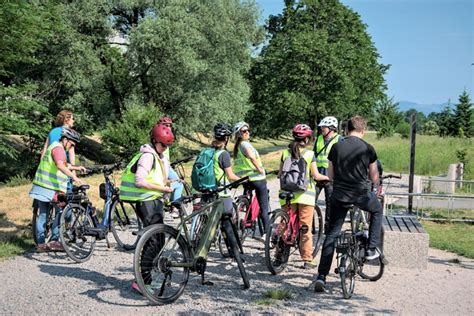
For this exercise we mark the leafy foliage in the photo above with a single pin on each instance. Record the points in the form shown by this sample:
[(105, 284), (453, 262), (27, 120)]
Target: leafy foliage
[(319, 61), (403, 129), (463, 116), (430, 128), (386, 117)]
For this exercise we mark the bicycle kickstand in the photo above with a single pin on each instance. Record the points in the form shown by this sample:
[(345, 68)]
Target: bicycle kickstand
[(107, 241), (204, 281)]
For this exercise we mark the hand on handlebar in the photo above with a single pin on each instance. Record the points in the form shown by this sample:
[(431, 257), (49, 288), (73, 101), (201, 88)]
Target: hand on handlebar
[(167, 190)]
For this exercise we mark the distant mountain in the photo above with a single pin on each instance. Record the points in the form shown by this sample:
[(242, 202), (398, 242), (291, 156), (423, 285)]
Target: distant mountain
[(425, 108)]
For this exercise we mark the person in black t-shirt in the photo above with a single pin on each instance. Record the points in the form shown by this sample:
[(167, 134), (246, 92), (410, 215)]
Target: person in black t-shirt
[(352, 166)]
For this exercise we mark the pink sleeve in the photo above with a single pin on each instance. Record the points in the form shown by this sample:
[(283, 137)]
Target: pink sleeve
[(59, 155), (145, 163)]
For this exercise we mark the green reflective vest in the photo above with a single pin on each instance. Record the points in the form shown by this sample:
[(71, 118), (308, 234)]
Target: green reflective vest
[(322, 159), (130, 192), (219, 173), (48, 175), (307, 197), (243, 166)]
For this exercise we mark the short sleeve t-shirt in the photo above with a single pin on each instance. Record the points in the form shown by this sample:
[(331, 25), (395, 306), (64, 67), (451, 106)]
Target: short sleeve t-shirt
[(351, 158), (55, 135), (224, 160)]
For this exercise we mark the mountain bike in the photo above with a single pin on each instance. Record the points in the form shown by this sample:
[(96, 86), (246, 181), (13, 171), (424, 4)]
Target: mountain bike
[(80, 228), (165, 255), (284, 234)]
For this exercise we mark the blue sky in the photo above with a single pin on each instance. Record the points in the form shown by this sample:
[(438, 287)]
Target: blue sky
[(429, 44)]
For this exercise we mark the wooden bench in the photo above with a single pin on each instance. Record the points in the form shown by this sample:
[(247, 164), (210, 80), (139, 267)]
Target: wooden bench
[(405, 242)]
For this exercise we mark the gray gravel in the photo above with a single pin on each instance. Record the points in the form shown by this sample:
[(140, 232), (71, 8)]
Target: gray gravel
[(51, 283)]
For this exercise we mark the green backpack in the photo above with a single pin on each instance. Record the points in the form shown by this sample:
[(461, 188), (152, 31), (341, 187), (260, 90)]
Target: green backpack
[(202, 176)]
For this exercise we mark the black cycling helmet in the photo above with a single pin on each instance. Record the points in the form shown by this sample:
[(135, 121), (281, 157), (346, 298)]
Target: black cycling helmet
[(70, 134), (222, 130)]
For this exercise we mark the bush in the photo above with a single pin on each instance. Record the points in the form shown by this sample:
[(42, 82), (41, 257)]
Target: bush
[(403, 129), (431, 128), (124, 138)]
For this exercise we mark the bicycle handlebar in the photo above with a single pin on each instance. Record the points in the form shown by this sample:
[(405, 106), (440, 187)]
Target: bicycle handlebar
[(272, 172), (391, 176), (180, 161), (106, 169)]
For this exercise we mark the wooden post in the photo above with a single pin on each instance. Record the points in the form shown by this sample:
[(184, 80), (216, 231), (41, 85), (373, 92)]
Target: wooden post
[(412, 161)]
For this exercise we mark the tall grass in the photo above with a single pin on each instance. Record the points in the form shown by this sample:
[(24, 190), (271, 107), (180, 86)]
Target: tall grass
[(432, 154)]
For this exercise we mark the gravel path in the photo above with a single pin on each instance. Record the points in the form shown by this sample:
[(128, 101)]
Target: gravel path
[(51, 283)]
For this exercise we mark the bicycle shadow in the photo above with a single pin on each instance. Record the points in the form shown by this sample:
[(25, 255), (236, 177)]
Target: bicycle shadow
[(454, 262), (102, 283), (49, 257)]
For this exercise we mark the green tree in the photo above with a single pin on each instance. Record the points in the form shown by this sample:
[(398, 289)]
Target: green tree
[(445, 121), (386, 117), (430, 128), (319, 60), (462, 122), (420, 118)]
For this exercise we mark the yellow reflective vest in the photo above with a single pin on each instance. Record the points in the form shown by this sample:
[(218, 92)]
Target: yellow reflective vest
[(243, 166), (322, 159), (130, 192), (48, 175)]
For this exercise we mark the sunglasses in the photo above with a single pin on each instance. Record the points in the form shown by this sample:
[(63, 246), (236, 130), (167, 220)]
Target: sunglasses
[(245, 131), (164, 145)]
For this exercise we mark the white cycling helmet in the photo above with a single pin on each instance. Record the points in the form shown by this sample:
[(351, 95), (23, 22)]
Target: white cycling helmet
[(328, 121), (239, 126)]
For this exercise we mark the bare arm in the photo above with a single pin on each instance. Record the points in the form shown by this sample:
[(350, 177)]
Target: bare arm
[(331, 171), (45, 147), (230, 174), (250, 155), (62, 166), (315, 173), (374, 173)]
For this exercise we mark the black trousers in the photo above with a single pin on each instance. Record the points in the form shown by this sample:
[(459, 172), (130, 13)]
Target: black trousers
[(150, 212), (261, 192), (368, 202)]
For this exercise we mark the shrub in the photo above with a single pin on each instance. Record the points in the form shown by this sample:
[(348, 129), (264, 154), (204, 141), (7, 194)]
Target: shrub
[(403, 129), (430, 128)]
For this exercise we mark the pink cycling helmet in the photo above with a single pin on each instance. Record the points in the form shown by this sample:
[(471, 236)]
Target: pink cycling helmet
[(165, 120), (301, 131)]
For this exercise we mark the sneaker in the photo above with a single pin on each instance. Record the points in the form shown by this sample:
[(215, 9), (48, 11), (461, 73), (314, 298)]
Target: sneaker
[(372, 254), (136, 288), (320, 283), (55, 246), (42, 248), (308, 265)]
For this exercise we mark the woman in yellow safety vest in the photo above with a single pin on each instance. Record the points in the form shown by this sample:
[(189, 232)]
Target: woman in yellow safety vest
[(247, 162), (304, 201), (51, 178)]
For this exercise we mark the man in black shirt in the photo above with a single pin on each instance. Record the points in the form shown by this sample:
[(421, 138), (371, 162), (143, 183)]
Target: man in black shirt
[(352, 162)]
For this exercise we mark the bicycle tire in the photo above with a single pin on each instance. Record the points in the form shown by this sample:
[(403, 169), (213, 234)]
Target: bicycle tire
[(77, 246), (317, 230), (242, 206), (159, 246), (125, 224), (371, 270), (347, 272), (276, 250), (228, 229)]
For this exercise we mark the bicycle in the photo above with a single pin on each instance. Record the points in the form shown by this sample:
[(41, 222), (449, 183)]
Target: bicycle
[(178, 167), (80, 228), (165, 255), (248, 213), (351, 247), (48, 225), (284, 233)]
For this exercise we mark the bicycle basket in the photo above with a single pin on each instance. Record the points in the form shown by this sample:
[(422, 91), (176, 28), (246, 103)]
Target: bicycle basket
[(344, 241), (102, 191)]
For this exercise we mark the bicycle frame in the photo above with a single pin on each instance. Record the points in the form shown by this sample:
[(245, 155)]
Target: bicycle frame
[(292, 228)]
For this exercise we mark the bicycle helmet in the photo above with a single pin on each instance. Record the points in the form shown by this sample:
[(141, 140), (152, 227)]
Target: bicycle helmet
[(70, 134), (239, 126), (162, 134), (221, 131), (165, 120), (328, 121), (301, 131)]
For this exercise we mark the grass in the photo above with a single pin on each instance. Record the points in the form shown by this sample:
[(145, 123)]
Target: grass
[(446, 214), (433, 154), (453, 237), (272, 296)]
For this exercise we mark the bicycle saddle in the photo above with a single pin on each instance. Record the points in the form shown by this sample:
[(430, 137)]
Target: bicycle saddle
[(81, 188), (286, 195)]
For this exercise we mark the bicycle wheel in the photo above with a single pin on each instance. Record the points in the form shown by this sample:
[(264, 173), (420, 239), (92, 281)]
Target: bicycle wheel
[(124, 224), (242, 206), (231, 235), (73, 224), (370, 269), (158, 252), (277, 251), (347, 272), (317, 230)]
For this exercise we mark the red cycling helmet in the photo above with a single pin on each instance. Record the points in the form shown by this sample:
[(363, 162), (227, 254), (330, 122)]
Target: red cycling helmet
[(165, 120), (162, 134), (301, 131)]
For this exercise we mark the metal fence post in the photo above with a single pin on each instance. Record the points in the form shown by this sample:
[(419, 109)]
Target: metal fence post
[(412, 161)]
